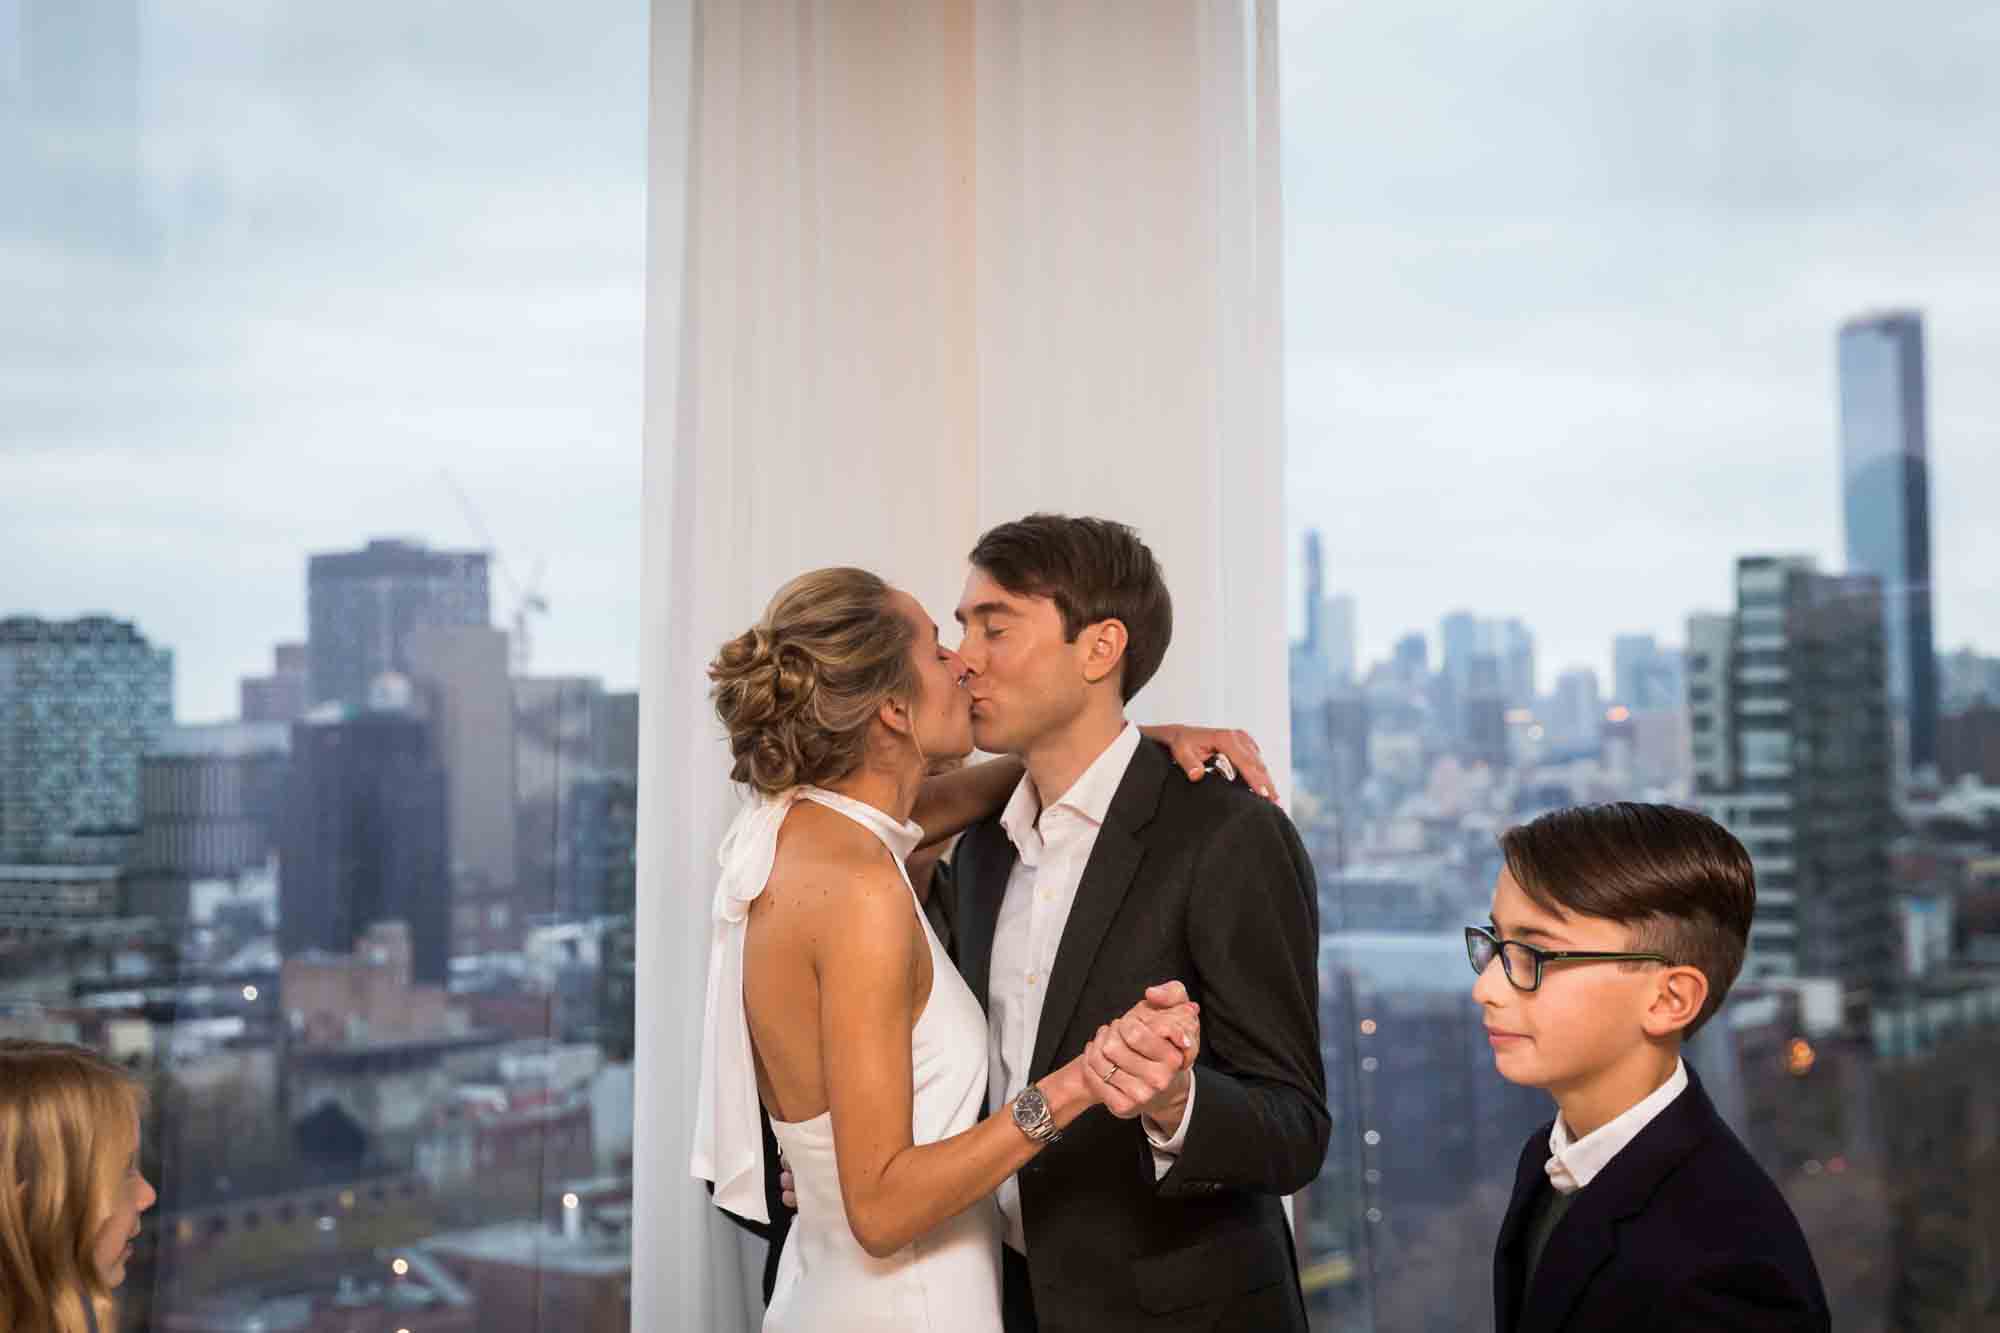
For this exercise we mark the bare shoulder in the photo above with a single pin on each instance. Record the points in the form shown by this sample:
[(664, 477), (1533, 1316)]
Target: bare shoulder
[(828, 864)]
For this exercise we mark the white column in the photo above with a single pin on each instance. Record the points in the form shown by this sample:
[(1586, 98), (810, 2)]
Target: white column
[(918, 267)]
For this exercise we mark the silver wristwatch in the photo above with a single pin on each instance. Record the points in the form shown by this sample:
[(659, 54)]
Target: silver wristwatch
[(1031, 1116)]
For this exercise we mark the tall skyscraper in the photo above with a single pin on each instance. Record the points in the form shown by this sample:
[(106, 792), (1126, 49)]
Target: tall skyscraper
[(1791, 750), (80, 702), (1325, 657), (1885, 495), (362, 605), (1315, 592), (1646, 677), (1577, 708), (1490, 659), (365, 837), (461, 675), (1338, 638)]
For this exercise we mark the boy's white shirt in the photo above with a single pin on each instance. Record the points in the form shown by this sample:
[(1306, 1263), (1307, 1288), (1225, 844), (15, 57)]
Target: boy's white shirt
[(1574, 1163)]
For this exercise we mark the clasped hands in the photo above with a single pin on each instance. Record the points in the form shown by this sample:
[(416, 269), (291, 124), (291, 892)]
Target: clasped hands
[(1137, 1065)]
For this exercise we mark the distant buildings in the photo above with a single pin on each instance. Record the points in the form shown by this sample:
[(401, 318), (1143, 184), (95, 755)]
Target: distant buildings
[(361, 607), (1885, 500), (1645, 677), (81, 701), (366, 837), (211, 808), (282, 695)]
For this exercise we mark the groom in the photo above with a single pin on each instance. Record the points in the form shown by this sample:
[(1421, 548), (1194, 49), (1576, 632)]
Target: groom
[(1100, 878)]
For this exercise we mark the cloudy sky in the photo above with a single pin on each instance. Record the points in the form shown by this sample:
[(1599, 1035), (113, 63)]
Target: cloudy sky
[(1561, 298), (1563, 282)]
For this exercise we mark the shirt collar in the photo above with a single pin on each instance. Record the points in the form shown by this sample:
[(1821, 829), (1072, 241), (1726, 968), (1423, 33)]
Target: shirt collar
[(1574, 1163), (1089, 796)]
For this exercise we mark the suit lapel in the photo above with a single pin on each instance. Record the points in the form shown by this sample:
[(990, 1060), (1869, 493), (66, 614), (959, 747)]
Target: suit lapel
[(1530, 1173), (1114, 861), (1586, 1239), (980, 890)]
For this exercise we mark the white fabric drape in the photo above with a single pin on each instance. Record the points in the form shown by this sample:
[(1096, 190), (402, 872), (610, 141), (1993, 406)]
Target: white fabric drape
[(917, 267)]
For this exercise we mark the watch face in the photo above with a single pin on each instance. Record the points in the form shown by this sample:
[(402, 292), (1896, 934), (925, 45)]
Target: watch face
[(1030, 1108)]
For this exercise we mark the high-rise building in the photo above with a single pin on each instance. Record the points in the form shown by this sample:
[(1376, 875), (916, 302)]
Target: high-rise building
[(462, 680), (1315, 592), (362, 605), (1487, 660), (1794, 758), (1325, 657), (1413, 657), (1459, 643), (1513, 647), (563, 735), (1885, 494), (366, 837), (1577, 708), (1338, 639), (597, 872), (1645, 677), (80, 702), (1711, 660), (280, 696), (211, 807)]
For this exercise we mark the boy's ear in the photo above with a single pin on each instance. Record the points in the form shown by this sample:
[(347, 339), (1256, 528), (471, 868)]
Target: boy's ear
[(1677, 1000)]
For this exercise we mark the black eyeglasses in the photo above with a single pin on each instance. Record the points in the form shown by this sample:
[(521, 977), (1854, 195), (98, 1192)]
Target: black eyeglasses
[(1518, 959)]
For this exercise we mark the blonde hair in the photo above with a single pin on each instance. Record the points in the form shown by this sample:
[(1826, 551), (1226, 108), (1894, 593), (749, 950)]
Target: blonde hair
[(798, 689), (65, 1114)]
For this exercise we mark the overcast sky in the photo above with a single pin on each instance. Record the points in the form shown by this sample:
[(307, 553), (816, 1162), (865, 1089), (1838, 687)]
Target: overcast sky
[(1562, 287)]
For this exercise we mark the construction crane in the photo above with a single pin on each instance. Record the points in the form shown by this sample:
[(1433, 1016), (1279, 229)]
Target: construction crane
[(527, 598)]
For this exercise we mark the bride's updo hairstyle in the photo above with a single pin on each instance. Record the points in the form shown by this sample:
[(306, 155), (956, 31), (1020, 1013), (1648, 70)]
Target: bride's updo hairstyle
[(798, 689)]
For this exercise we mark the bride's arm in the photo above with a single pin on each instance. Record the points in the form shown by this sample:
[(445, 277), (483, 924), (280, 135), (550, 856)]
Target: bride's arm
[(951, 803), (893, 1189)]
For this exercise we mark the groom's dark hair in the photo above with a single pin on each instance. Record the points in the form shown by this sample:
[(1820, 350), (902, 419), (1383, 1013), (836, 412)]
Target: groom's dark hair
[(1093, 570)]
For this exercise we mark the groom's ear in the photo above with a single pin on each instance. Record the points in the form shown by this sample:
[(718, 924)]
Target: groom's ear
[(1103, 647)]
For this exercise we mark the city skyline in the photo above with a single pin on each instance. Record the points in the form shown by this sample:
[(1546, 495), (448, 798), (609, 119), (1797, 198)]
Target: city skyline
[(1518, 356)]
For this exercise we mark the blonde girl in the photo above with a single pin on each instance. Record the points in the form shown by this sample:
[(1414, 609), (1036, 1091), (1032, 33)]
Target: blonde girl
[(70, 1187)]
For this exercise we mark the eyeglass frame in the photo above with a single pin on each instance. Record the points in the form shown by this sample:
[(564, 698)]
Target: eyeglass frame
[(1543, 957)]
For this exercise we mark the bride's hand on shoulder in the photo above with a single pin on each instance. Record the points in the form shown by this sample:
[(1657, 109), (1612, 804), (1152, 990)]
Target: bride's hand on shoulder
[(1193, 747)]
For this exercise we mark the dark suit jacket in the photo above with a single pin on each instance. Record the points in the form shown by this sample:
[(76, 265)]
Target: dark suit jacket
[(1206, 883), (1681, 1231)]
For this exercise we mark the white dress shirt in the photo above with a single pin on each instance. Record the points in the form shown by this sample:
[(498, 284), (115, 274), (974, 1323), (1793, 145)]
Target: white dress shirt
[(1052, 847), (1574, 1163)]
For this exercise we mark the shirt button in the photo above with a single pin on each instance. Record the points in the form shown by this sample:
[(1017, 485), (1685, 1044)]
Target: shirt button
[(1033, 977)]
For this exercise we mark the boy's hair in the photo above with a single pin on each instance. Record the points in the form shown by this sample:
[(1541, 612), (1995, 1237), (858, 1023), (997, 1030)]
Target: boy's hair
[(1681, 881), (1093, 569)]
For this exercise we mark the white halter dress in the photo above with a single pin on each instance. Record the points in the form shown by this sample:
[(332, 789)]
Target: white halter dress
[(946, 1280)]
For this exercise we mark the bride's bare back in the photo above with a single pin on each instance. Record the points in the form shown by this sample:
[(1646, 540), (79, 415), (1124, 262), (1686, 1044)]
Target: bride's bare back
[(825, 869)]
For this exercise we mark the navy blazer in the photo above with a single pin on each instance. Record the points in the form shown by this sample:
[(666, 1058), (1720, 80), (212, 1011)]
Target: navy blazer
[(1681, 1231)]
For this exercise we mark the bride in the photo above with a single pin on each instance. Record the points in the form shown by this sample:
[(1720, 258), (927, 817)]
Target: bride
[(831, 1001)]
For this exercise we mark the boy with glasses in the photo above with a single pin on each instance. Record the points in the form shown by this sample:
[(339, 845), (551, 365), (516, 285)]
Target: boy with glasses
[(1616, 932)]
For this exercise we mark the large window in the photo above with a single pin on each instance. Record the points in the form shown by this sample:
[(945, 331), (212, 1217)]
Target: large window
[(320, 333), (1572, 297)]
